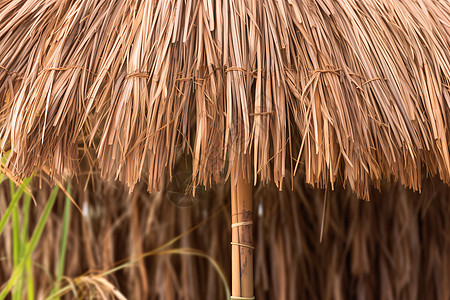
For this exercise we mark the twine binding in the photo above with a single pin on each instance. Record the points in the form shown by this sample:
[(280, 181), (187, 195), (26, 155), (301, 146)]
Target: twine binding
[(243, 245), (241, 224)]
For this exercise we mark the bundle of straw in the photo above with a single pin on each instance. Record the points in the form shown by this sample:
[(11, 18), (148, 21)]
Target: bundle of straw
[(357, 90)]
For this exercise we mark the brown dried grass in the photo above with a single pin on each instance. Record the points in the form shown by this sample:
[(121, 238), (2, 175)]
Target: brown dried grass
[(357, 90), (395, 247)]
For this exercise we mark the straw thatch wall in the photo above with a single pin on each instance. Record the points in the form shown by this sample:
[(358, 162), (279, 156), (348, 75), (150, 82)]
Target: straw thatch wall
[(395, 247)]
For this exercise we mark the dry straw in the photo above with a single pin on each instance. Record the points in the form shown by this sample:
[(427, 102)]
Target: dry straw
[(357, 90), (395, 247)]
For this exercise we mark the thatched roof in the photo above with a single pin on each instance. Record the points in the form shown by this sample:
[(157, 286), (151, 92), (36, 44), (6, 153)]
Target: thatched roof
[(357, 90)]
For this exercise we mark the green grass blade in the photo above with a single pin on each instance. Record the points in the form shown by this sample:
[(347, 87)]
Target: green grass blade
[(15, 227), (15, 198), (31, 244), (30, 282), (17, 247), (19, 292), (64, 236), (41, 224), (26, 218)]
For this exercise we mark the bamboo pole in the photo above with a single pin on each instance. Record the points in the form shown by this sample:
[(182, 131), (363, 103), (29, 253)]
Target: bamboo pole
[(241, 239)]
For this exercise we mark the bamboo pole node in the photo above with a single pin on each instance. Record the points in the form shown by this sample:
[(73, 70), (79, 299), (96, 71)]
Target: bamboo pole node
[(241, 224), (243, 245), (241, 298)]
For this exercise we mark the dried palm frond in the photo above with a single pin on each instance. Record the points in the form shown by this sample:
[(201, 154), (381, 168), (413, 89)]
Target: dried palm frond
[(351, 89)]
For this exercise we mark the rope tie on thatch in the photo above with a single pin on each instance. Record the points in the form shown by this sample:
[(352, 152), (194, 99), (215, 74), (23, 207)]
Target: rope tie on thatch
[(261, 113), (184, 79), (242, 245), (65, 68), (337, 70), (334, 71), (241, 224), (243, 70), (147, 75), (235, 68), (241, 298), (11, 73), (373, 79)]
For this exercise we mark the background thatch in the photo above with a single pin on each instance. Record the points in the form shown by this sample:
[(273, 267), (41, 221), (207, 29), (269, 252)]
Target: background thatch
[(395, 247)]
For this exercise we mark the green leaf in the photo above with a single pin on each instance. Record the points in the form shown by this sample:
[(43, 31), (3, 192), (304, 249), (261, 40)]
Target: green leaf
[(31, 245)]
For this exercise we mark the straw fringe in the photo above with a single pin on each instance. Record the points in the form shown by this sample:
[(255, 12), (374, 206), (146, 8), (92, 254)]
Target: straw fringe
[(350, 89)]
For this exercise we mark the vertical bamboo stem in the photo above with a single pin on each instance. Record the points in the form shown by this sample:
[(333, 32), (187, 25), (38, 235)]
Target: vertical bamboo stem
[(242, 238)]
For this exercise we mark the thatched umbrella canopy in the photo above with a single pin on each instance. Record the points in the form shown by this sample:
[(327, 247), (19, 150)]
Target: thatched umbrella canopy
[(355, 91)]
